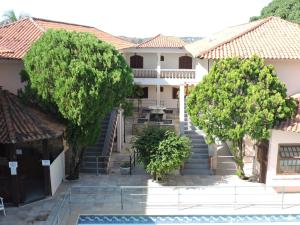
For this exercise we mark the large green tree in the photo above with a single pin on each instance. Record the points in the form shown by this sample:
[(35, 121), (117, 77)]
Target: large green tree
[(286, 9), (78, 78), (238, 98)]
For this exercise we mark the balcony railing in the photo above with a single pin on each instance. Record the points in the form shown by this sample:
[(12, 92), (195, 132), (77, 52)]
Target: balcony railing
[(144, 73), (177, 74), (165, 73)]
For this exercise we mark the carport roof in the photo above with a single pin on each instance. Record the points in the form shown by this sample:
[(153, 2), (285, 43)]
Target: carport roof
[(20, 123)]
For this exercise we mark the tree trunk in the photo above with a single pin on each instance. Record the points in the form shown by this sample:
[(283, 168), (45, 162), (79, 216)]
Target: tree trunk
[(238, 152), (76, 157), (241, 157)]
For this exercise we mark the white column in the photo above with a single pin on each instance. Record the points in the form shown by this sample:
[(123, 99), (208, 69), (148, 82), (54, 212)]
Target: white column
[(181, 109), (158, 80), (120, 137)]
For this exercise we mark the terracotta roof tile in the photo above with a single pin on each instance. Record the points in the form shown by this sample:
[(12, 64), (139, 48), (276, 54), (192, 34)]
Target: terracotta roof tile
[(270, 38), (20, 123), (161, 41), (116, 41), (17, 37), (292, 125)]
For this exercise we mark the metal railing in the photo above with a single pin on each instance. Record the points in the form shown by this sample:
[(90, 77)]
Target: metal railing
[(105, 163), (185, 196), (62, 211)]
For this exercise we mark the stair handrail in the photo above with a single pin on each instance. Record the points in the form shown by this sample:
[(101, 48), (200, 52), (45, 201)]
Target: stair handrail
[(109, 136)]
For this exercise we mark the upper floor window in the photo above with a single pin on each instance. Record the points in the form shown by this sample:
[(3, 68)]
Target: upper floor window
[(136, 61), (185, 62)]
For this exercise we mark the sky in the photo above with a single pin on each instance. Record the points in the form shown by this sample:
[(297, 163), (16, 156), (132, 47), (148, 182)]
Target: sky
[(143, 18)]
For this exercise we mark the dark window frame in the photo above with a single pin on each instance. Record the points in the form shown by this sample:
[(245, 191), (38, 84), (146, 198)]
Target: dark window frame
[(185, 62), (136, 62), (288, 160)]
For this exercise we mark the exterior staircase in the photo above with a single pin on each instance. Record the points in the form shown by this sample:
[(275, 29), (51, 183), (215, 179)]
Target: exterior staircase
[(198, 162), (89, 162)]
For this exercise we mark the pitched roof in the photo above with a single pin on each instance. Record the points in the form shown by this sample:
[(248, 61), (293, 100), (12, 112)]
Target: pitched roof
[(292, 125), (161, 41), (20, 123), (17, 37), (270, 38)]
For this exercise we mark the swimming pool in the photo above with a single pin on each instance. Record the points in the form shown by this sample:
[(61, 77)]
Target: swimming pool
[(192, 219)]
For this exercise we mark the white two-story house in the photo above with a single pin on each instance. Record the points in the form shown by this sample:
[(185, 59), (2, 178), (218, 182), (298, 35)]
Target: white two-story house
[(164, 69)]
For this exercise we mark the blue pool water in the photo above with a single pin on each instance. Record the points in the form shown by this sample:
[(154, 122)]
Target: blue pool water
[(196, 219)]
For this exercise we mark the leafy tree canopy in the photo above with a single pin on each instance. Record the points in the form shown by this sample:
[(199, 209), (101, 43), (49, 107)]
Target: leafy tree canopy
[(79, 78), (161, 150), (239, 97), (286, 9)]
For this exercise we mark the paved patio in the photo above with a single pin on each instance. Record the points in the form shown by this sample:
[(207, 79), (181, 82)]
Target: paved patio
[(101, 195)]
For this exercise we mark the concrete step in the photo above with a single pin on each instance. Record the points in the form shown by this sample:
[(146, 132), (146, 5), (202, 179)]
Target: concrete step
[(197, 160), (93, 148), (196, 155), (199, 151), (93, 164), (202, 145), (92, 170), (196, 172), (226, 165), (92, 154), (196, 166), (195, 137), (197, 141), (225, 172)]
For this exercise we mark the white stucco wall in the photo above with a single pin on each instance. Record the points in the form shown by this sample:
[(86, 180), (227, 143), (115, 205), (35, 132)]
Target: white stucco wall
[(171, 60), (10, 75), (280, 137), (202, 68), (289, 72), (57, 171)]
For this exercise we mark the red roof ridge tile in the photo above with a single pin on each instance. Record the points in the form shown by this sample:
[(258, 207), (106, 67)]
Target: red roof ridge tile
[(263, 21), (61, 22), (162, 41), (150, 39), (32, 19)]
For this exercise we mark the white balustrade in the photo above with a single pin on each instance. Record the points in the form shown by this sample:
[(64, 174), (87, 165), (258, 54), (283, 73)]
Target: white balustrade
[(165, 73)]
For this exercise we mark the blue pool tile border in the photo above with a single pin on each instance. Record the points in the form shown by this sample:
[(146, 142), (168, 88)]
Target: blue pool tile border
[(191, 219)]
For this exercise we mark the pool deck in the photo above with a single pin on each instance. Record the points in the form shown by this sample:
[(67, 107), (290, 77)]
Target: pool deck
[(101, 195)]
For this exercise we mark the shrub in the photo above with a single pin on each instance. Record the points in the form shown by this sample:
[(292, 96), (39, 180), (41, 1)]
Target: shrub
[(161, 150)]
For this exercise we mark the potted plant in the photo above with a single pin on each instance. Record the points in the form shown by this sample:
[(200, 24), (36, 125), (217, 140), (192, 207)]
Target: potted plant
[(125, 168)]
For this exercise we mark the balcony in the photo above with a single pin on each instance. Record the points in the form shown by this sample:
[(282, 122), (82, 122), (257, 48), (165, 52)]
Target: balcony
[(165, 73)]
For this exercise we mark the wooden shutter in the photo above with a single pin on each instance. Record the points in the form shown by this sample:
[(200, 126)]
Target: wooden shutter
[(185, 62), (136, 61)]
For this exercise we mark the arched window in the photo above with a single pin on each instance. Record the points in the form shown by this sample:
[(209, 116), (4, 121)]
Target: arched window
[(185, 62), (136, 61)]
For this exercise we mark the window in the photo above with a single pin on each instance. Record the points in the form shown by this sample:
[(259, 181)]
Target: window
[(145, 94), (288, 159), (175, 92), (136, 61), (161, 89), (185, 62), (162, 58)]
